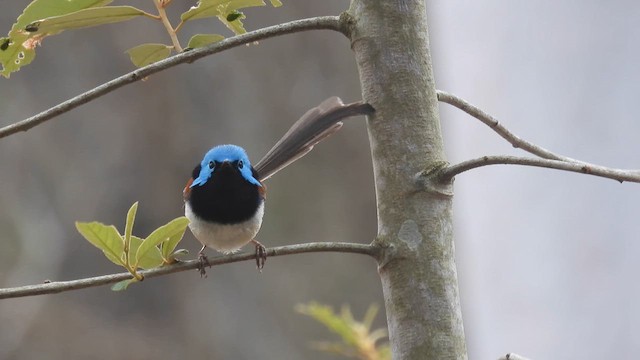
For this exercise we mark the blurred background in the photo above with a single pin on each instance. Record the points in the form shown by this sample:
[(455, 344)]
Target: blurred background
[(547, 260)]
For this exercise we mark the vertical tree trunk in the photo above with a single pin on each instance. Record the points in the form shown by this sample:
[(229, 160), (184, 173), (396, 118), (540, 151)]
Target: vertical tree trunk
[(418, 272)]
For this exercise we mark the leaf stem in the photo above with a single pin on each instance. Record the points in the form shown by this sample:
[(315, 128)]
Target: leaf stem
[(135, 273), (155, 17), (179, 26), (167, 24)]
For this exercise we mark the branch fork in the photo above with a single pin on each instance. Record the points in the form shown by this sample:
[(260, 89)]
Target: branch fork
[(544, 158)]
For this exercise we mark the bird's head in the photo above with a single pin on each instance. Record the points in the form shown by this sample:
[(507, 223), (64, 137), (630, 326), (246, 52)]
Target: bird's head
[(224, 157)]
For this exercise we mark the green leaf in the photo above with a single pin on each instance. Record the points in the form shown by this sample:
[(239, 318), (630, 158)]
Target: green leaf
[(19, 46), (179, 252), (209, 8), (15, 55), (369, 316), (164, 232), (40, 9), (105, 238), (241, 4), (83, 18), (234, 15), (123, 285), (276, 3), (145, 54), (222, 9), (236, 25), (128, 226), (325, 315), (151, 259), (173, 257), (168, 246), (357, 339), (200, 40)]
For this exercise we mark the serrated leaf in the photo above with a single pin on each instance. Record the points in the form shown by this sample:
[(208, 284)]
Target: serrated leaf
[(128, 226), (20, 45), (207, 9), (105, 238), (276, 3), (200, 40), (164, 232), (236, 25), (16, 55), (241, 4), (122, 285), (83, 18), (41, 9), (151, 259), (221, 9), (145, 54)]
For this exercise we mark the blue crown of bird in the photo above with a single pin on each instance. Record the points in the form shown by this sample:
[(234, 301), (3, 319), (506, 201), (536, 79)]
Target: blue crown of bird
[(224, 198)]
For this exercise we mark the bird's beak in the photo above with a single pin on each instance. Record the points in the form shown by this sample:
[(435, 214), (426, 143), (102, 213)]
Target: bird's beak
[(225, 164)]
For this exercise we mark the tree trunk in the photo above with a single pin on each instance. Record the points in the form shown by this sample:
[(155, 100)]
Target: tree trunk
[(418, 272)]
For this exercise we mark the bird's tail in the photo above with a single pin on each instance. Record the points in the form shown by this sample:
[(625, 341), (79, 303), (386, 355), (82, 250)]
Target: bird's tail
[(314, 126)]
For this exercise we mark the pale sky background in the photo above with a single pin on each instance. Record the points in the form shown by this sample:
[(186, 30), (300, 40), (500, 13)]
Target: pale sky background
[(547, 261)]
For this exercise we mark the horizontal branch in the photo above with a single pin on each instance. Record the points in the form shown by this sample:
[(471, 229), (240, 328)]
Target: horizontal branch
[(316, 23), (55, 287), (595, 170), (494, 124)]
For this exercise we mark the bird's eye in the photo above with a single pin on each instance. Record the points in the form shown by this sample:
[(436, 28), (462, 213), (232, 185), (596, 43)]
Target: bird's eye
[(240, 164), (212, 165)]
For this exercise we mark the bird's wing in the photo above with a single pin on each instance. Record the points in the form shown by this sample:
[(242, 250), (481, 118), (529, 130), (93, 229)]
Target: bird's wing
[(314, 126)]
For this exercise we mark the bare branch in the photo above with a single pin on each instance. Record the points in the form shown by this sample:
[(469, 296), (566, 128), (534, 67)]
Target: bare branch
[(595, 170), (317, 23), (494, 124), (61, 286), (549, 159)]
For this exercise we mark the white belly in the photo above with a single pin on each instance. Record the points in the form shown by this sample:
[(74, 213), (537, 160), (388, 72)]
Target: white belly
[(224, 238)]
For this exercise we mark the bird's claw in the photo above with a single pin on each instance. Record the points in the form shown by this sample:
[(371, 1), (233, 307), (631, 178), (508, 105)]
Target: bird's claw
[(203, 261), (261, 255)]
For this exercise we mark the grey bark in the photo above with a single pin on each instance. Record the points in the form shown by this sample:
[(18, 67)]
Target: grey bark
[(418, 271)]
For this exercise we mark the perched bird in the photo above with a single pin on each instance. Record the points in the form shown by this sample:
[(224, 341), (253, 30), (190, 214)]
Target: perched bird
[(224, 199)]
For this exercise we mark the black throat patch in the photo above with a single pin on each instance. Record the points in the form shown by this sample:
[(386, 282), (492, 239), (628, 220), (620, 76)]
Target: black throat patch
[(226, 198)]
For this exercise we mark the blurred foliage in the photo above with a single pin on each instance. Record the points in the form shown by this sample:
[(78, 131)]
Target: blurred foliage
[(132, 252), (358, 341), (43, 18)]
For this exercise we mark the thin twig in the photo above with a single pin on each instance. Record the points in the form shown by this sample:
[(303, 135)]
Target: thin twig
[(495, 125), (595, 170), (61, 286), (317, 23), (549, 159)]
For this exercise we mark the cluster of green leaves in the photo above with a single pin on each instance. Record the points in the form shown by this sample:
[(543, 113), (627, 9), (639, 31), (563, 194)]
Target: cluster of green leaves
[(43, 18), (132, 252), (358, 341)]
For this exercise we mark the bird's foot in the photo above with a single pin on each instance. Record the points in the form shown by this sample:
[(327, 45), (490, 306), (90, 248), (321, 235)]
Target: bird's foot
[(261, 254), (203, 261)]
